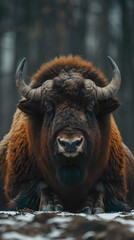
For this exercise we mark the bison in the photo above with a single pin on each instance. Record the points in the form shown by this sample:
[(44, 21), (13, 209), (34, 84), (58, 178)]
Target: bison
[(64, 151)]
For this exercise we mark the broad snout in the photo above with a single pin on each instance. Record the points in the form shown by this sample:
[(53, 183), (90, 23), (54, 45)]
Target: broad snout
[(70, 146)]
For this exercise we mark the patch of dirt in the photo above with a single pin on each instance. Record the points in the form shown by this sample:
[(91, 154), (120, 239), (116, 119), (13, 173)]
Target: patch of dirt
[(31, 225)]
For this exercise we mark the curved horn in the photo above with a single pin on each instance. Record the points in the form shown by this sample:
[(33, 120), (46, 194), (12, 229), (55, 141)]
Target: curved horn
[(25, 90), (112, 88)]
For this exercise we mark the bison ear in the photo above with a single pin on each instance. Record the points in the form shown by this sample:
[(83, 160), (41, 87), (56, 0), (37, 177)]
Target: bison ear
[(29, 107), (108, 106)]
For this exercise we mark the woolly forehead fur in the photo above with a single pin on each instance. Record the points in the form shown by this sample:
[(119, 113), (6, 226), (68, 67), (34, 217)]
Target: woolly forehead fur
[(68, 64)]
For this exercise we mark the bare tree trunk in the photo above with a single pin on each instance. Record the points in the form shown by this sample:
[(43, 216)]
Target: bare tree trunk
[(127, 69)]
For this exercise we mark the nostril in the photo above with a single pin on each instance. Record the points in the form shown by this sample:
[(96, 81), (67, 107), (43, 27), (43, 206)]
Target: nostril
[(62, 143), (78, 142)]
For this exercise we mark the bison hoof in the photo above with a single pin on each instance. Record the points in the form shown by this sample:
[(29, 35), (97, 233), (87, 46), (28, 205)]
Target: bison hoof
[(57, 204), (46, 207), (51, 205), (86, 210), (98, 210), (58, 208)]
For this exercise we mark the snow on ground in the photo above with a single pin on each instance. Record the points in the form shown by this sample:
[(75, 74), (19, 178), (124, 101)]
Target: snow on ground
[(55, 225)]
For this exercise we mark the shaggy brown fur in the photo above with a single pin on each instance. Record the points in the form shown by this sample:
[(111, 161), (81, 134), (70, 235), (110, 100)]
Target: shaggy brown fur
[(28, 151)]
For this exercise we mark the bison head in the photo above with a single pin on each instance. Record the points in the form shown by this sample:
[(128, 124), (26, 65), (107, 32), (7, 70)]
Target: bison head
[(69, 123)]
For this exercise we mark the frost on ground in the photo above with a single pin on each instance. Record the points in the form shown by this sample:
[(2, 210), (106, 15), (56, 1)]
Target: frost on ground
[(29, 225)]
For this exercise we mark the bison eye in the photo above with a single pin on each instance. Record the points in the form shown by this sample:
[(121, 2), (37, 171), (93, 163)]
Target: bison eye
[(49, 107), (90, 107)]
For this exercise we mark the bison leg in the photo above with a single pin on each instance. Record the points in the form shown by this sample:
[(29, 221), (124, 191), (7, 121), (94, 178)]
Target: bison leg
[(98, 206), (28, 198), (48, 200), (103, 199), (87, 206), (114, 202), (94, 203)]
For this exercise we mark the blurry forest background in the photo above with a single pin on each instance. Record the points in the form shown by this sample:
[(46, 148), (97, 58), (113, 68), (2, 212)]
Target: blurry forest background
[(42, 29)]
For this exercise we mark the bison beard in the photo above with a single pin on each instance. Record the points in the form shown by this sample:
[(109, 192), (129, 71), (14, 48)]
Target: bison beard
[(64, 151)]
